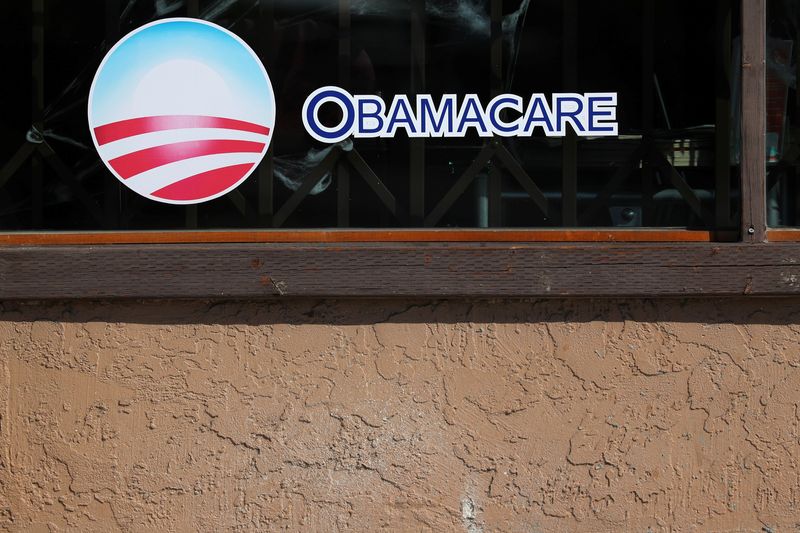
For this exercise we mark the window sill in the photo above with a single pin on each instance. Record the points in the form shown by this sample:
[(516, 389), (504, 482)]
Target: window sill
[(400, 269), (373, 236)]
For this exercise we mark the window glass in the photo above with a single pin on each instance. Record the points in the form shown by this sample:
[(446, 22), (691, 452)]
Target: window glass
[(783, 114), (671, 63)]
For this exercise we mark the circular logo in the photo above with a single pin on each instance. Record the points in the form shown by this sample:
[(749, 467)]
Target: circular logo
[(181, 111)]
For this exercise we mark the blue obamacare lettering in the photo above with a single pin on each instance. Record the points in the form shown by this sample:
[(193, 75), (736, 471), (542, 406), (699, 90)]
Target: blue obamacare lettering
[(506, 115)]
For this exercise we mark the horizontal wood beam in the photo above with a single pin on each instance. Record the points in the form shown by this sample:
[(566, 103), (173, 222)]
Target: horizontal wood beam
[(373, 236), (401, 269)]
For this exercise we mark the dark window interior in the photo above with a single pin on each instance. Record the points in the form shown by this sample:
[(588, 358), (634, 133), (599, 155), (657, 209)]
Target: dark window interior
[(783, 114), (673, 63)]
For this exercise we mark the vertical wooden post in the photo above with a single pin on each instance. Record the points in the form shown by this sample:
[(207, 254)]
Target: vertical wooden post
[(495, 195), (496, 47), (569, 145), (345, 65), (342, 194), (495, 181), (265, 42), (754, 51), (648, 98), (37, 111), (112, 188), (418, 81)]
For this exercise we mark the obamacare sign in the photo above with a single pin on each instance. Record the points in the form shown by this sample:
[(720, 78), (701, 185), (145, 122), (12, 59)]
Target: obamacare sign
[(182, 111), (590, 114)]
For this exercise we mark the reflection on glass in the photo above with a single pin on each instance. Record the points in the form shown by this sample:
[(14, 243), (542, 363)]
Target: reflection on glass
[(783, 131), (674, 164)]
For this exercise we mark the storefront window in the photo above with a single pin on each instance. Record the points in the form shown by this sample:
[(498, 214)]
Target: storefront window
[(783, 114), (672, 64)]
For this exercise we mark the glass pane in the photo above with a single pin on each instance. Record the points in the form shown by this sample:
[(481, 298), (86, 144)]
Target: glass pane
[(674, 162), (783, 114)]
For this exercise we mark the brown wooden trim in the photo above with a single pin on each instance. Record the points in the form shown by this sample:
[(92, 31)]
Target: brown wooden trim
[(783, 235), (323, 236), (754, 194), (399, 269)]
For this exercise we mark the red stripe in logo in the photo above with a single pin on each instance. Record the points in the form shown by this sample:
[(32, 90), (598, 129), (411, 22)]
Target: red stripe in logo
[(138, 126), (137, 162), (203, 184)]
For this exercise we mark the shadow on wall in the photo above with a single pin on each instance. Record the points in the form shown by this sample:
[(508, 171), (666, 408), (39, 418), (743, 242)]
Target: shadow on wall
[(774, 311)]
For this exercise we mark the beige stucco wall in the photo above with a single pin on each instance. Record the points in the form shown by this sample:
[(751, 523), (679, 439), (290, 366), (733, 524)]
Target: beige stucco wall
[(543, 416)]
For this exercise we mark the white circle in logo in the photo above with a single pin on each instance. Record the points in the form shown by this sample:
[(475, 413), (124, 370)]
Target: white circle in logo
[(181, 111)]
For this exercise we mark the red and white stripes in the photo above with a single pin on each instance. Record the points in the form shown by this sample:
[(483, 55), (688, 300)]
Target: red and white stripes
[(181, 158)]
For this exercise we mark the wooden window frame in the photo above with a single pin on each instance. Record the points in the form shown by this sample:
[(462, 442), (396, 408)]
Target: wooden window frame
[(432, 263)]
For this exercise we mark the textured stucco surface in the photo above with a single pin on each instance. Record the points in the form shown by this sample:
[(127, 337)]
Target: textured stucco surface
[(543, 416)]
